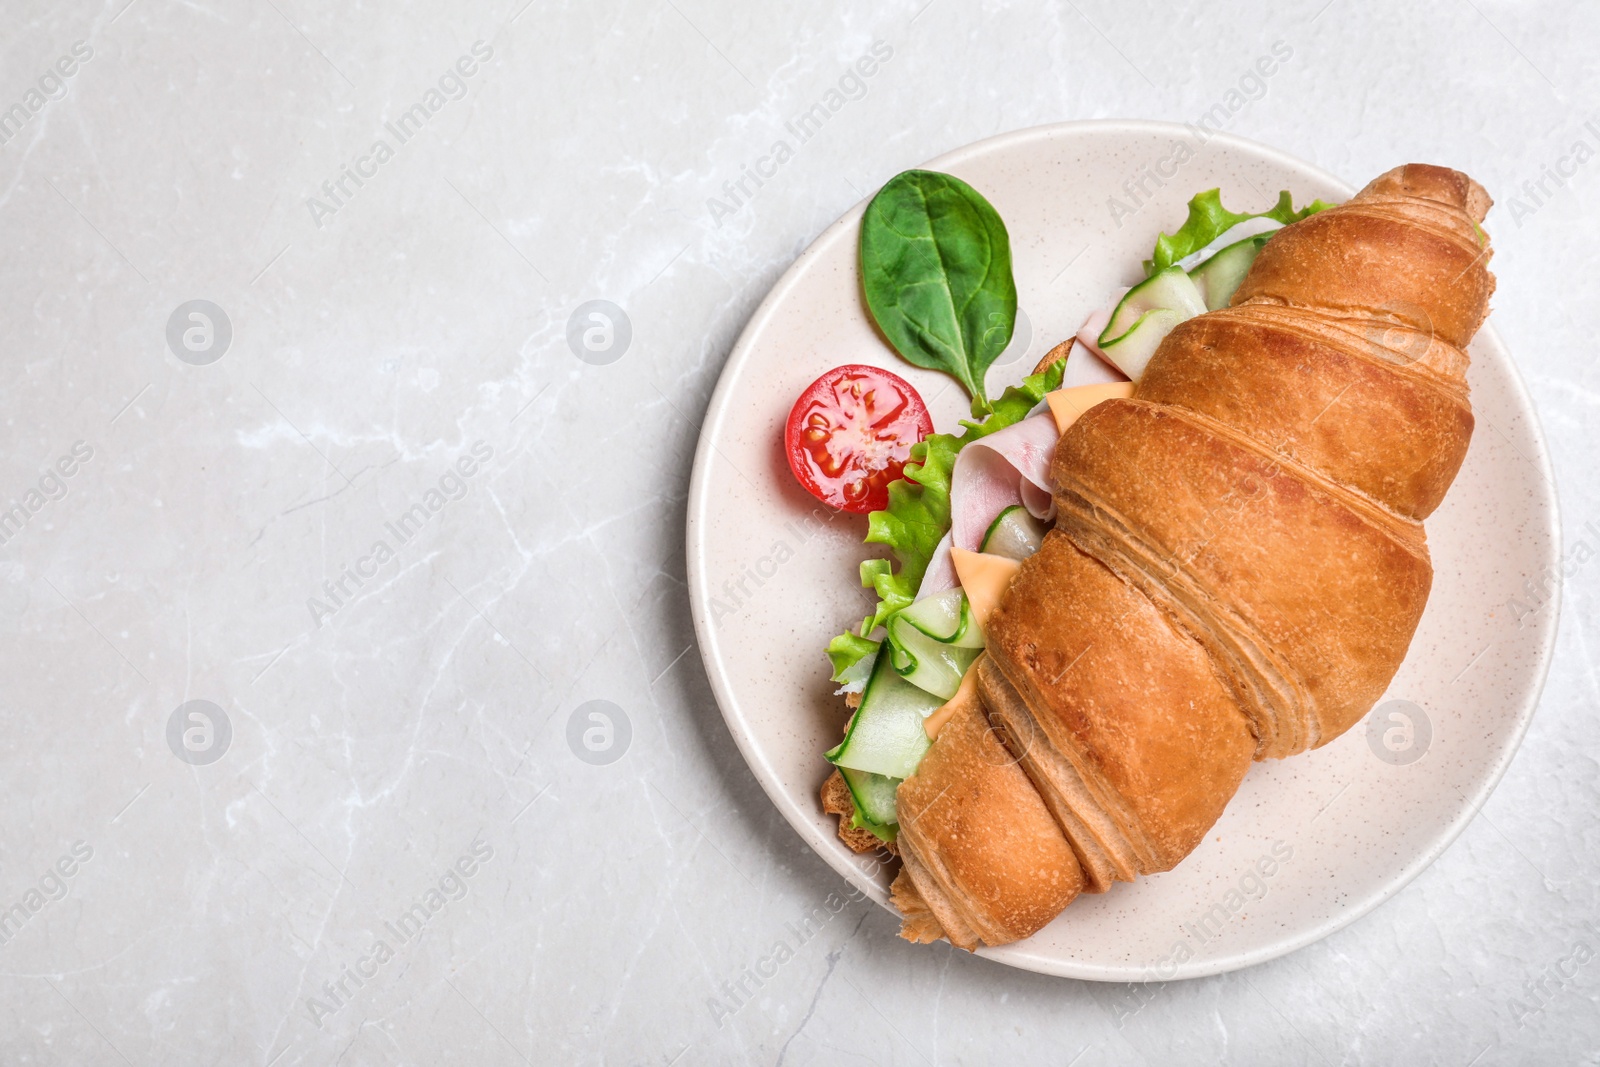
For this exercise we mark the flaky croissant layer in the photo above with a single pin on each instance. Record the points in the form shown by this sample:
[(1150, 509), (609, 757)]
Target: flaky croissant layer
[(1236, 572)]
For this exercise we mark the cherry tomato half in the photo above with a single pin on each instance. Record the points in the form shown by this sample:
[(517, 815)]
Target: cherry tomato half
[(850, 432)]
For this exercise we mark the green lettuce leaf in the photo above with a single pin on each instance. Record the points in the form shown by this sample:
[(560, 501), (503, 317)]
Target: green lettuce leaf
[(919, 512), (848, 649), (1208, 220)]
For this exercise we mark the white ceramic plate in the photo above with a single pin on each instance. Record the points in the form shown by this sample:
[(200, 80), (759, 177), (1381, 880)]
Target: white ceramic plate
[(772, 575)]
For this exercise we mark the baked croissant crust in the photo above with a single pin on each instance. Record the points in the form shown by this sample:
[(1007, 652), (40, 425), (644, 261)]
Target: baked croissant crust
[(1236, 572)]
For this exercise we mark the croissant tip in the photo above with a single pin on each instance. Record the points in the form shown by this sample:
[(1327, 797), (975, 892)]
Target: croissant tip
[(1430, 181)]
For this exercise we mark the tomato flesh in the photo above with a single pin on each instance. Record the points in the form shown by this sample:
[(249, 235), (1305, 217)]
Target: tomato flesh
[(850, 433)]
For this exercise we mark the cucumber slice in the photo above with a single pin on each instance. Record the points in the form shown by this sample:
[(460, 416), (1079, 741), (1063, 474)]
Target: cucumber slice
[(1132, 351), (1218, 278), (1168, 290), (927, 663), (946, 618), (874, 795), (1014, 534), (887, 736)]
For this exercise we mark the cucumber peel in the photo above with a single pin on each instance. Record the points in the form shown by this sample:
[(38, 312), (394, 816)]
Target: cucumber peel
[(934, 641), (1170, 290), (1145, 315), (1218, 277), (1014, 534), (927, 663), (1132, 351), (874, 797), (946, 617), (887, 736)]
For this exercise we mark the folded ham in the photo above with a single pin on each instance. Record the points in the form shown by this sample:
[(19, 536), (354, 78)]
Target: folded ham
[(1004, 469)]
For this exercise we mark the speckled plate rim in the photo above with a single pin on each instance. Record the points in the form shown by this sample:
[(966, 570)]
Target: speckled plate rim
[(798, 808)]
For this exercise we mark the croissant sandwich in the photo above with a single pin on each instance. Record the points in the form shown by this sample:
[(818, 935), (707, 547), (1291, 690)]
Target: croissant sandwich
[(1221, 560)]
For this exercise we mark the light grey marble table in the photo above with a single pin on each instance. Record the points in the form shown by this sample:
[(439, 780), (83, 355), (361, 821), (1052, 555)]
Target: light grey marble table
[(366, 505)]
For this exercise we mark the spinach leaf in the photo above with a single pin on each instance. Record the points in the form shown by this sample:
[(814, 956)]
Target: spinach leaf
[(936, 270)]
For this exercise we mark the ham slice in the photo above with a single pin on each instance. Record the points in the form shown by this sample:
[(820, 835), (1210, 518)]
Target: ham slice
[(991, 474), (941, 573), (1089, 333), (1086, 365)]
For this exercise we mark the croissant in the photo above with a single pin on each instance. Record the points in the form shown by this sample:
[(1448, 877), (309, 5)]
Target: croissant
[(1236, 571)]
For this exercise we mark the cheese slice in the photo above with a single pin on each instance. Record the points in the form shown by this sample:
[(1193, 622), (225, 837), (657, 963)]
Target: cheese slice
[(1068, 404), (984, 578)]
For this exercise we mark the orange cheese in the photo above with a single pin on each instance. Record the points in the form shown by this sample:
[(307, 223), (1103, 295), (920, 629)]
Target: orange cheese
[(984, 577), (1067, 404)]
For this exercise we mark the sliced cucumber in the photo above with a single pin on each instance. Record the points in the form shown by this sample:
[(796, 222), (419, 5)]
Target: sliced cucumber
[(1167, 290), (931, 665), (1014, 534), (1144, 317), (1218, 278), (934, 641), (1132, 351), (875, 804), (945, 617), (887, 736)]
